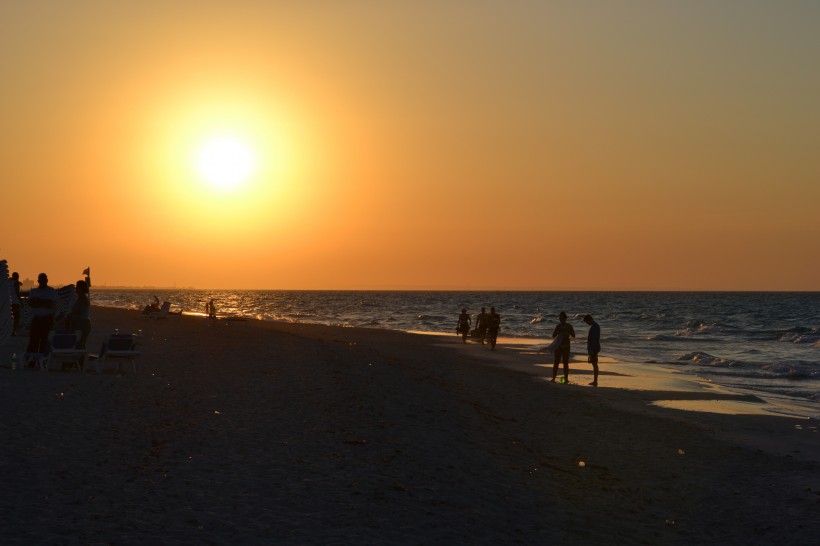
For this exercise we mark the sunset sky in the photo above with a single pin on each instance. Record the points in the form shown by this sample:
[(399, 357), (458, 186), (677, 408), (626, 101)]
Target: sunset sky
[(549, 145)]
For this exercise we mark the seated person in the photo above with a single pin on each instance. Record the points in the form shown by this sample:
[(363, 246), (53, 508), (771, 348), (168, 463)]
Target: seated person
[(152, 307)]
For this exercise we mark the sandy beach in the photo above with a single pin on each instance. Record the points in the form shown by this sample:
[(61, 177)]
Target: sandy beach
[(250, 432)]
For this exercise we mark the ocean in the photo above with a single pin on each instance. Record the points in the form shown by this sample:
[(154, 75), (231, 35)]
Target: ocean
[(764, 343)]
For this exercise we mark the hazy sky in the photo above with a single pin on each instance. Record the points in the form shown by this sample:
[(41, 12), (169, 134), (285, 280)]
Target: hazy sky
[(413, 145)]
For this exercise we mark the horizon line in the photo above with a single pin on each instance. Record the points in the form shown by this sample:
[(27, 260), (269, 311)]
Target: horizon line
[(624, 290)]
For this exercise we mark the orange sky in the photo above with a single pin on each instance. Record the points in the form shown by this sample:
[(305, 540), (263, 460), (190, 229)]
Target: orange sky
[(414, 145)]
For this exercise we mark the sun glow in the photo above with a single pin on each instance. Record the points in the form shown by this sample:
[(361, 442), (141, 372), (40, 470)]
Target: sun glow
[(226, 162), (225, 167)]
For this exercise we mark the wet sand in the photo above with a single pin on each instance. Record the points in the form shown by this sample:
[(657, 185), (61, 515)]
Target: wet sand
[(247, 432)]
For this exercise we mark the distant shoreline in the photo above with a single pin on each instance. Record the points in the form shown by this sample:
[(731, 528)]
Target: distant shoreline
[(465, 291)]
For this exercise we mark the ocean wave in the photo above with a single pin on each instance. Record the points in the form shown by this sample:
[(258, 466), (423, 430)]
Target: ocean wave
[(705, 359), (652, 316), (671, 337), (795, 371), (801, 334), (699, 327), (788, 370), (536, 320), (745, 374), (811, 395), (768, 387), (714, 365), (433, 318), (801, 330)]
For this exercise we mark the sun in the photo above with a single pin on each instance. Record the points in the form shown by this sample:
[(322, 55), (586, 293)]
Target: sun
[(226, 161)]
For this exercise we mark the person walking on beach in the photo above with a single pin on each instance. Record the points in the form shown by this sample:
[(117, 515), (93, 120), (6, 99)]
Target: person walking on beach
[(494, 325), (565, 330), (14, 292), (210, 308), (463, 326), (482, 322), (593, 346), (43, 303)]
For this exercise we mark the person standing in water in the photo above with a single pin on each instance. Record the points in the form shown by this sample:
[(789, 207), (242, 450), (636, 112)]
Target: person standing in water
[(593, 346), (565, 330), (463, 326)]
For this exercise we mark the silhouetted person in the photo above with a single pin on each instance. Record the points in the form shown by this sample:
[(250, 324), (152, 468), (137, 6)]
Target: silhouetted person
[(463, 326), (14, 292), (152, 307), (482, 322), (493, 327), (211, 309), (43, 303), (565, 330), (79, 317), (593, 346)]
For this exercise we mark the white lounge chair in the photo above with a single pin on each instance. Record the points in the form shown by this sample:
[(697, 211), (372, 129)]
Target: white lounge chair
[(120, 347), (63, 349)]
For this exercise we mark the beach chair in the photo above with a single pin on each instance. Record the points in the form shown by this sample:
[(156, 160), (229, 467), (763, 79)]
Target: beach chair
[(119, 347), (63, 349)]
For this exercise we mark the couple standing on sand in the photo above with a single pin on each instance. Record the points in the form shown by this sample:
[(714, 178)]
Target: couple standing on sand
[(561, 344)]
